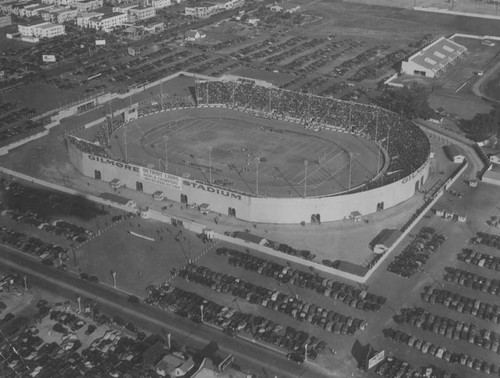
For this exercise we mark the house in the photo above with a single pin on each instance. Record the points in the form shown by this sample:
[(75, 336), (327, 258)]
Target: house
[(183, 369), (194, 35), (88, 5), (41, 30), (83, 18), (108, 21), (158, 4), (208, 9), (60, 15), (153, 27), (123, 8), (141, 13), (167, 365)]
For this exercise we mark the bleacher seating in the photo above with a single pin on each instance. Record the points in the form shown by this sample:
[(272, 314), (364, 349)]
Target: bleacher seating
[(407, 146)]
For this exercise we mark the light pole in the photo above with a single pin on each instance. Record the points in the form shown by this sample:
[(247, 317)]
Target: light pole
[(113, 274), (210, 163), (257, 177), (305, 178)]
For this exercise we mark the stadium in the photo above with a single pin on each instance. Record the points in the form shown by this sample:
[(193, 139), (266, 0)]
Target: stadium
[(259, 153)]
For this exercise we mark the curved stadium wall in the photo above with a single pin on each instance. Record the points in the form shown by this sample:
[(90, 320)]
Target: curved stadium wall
[(407, 146)]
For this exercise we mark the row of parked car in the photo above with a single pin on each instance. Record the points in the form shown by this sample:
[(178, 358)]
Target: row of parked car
[(440, 352), (462, 304), (348, 294), (193, 306), (450, 328), (487, 239), (46, 252), (67, 319), (482, 260), (472, 280), (393, 367), (59, 227), (416, 254), (296, 308)]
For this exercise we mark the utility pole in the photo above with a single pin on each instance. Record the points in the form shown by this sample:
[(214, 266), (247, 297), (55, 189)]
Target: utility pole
[(210, 163), (113, 274), (257, 177), (305, 178), (125, 140), (350, 170), (166, 153)]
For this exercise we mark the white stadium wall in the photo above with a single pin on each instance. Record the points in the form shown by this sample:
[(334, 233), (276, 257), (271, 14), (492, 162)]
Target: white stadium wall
[(251, 209)]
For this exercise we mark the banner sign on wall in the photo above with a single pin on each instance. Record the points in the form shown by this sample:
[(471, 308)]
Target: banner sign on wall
[(161, 178)]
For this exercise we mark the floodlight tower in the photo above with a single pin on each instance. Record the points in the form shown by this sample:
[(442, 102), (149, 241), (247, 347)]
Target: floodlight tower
[(257, 177), (210, 164), (166, 153), (306, 163)]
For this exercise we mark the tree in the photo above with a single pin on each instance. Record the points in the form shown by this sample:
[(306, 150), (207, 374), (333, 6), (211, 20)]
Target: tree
[(482, 126), (411, 102)]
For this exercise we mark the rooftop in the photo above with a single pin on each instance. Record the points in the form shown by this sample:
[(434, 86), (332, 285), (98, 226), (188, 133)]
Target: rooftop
[(50, 25), (438, 54)]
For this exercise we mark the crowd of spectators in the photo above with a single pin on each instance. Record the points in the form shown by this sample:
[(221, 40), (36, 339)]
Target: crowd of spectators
[(407, 146), (88, 147), (164, 103)]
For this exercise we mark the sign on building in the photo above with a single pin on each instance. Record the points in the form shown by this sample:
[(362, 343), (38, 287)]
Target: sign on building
[(160, 178)]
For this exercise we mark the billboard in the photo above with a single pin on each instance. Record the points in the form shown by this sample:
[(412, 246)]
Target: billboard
[(100, 42), (49, 58), (376, 359), (160, 178)]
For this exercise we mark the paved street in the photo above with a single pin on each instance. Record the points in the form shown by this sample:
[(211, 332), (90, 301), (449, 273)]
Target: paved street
[(263, 361)]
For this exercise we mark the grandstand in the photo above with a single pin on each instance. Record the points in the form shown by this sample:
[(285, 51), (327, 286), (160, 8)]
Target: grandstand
[(393, 178), (407, 147)]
